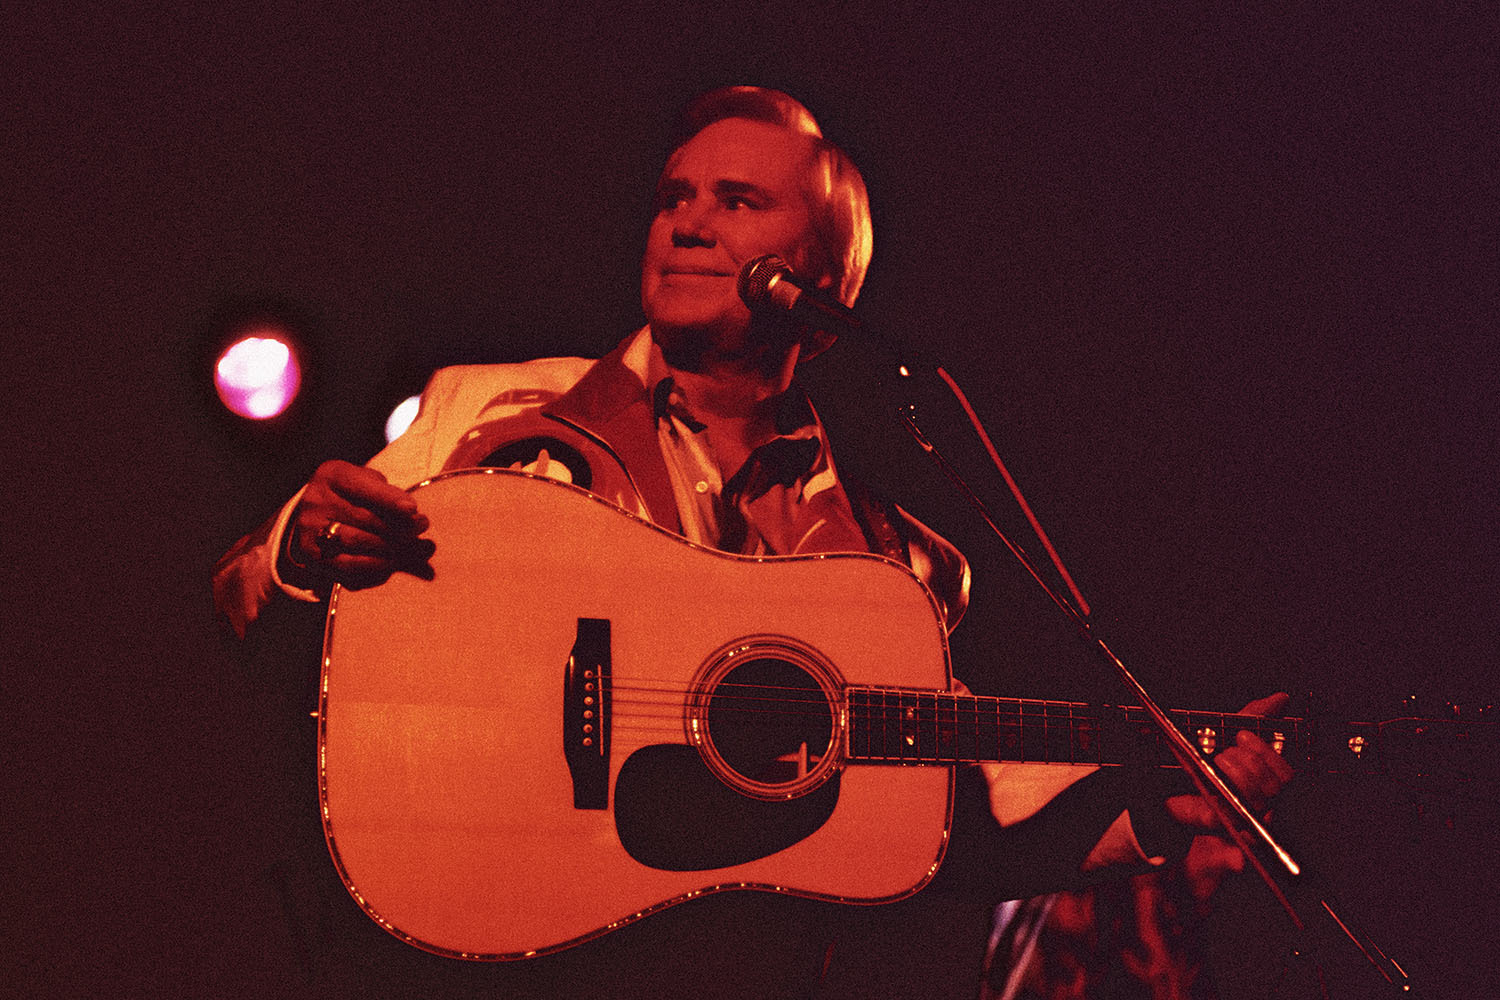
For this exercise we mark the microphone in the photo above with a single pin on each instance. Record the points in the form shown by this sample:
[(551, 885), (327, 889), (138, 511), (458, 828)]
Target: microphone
[(767, 285)]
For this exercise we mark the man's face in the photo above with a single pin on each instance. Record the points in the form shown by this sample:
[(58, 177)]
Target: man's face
[(730, 194)]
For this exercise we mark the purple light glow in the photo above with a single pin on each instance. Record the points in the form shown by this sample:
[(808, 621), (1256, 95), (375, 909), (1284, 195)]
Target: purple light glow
[(258, 376)]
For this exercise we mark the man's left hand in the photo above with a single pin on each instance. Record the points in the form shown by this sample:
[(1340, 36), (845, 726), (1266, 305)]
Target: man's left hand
[(1257, 773)]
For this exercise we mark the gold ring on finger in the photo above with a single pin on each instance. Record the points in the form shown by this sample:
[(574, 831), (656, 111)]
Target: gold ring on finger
[(330, 533)]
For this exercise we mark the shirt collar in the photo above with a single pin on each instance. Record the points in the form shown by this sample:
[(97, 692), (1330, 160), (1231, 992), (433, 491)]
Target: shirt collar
[(798, 452)]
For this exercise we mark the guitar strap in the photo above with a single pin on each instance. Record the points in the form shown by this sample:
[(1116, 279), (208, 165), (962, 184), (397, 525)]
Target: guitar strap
[(891, 532), (878, 520)]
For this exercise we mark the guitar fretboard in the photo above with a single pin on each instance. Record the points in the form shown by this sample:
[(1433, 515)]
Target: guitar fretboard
[(916, 727)]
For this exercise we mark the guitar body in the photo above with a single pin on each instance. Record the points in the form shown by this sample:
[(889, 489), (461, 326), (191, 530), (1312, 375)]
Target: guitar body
[(559, 732)]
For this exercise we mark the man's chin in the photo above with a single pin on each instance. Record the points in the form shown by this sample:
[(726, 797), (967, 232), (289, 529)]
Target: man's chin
[(691, 302), (682, 317)]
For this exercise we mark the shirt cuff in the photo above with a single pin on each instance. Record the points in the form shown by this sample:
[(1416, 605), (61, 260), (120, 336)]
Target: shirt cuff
[(273, 546)]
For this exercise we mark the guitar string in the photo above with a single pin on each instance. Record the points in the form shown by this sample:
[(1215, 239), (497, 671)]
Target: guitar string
[(817, 706), (890, 743), (917, 718), (939, 735), (956, 714), (1026, 707), (888, 740), (944, 704), (885, 739), (950, 715)]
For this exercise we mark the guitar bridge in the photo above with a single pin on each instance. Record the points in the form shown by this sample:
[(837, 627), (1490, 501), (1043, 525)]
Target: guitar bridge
[(586, 714)]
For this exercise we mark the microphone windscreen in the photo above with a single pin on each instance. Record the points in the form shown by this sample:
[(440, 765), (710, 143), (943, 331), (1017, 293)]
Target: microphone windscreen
[(755, 279)]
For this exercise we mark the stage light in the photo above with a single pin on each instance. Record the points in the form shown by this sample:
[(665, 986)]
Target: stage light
[(401, 418), (258, 375)]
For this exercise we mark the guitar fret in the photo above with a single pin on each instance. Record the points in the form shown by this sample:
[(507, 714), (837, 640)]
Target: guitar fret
[(1092, 742), (1008, 727), (889, 713), (887, 744), (917, 718), (919, 733), (933, 747), (1057, 733), (986, 732), (1032, 747), (894, 744), (854, 736), (895, 739), (924, 728), (966, 733), (906, 739)]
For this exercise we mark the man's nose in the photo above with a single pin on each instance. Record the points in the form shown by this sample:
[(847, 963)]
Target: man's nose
[(693, 226)]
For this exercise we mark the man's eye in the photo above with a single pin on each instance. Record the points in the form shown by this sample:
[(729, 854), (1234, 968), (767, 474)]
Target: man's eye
[(735, 203)]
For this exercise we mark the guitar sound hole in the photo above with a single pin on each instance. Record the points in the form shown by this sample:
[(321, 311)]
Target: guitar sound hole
[(770, 721)]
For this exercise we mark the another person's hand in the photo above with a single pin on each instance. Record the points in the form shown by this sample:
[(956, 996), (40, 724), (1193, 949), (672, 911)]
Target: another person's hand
[(353, 528)]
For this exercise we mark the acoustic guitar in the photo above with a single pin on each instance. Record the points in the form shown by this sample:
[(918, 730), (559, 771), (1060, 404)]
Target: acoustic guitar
[(581, 719)]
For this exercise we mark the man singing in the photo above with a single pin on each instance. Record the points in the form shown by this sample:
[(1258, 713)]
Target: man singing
[(696, 422)]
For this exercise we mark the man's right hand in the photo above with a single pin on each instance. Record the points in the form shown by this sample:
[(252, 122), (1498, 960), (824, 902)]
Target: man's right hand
[(353, 528)]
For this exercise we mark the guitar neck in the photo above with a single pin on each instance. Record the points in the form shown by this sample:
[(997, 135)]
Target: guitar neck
[(917, 727)]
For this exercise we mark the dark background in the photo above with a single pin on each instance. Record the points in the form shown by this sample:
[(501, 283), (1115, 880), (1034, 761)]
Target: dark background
[(1221, 284)]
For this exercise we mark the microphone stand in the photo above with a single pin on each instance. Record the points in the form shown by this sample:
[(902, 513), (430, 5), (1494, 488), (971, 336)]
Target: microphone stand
[(767, 285), (1240, 824)]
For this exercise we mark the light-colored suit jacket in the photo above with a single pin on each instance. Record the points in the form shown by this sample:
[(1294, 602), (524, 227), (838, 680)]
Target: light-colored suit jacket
[(594, 415)]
